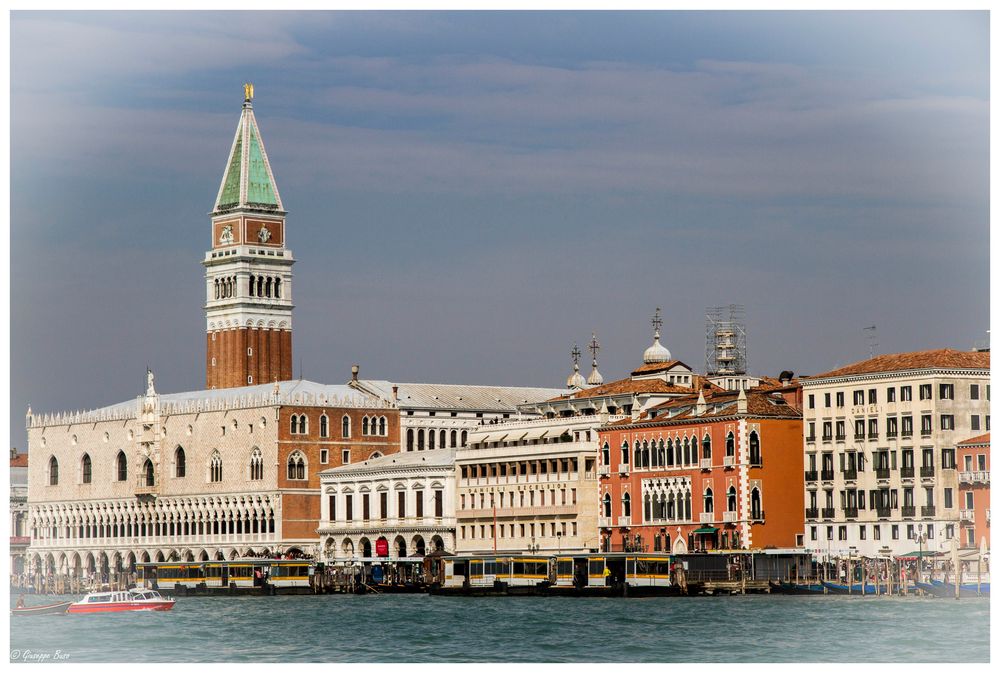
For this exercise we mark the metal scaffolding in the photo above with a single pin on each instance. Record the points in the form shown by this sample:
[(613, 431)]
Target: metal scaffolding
[(725, 340)]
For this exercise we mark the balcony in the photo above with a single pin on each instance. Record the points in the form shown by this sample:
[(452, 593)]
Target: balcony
[(851, 475), (851, 512), (907, 434), (927, 472), (892, 435), (729, 461), (146, 491), (906, 472), (883, 512), (967, 515), (812, 512), (706, 517), (872, 436), (706, 463), (928, 510), (827, 438), (827, 475), (624, 521), (729, 517), (841, 437), (828, 512), (811, 475), (811, 439), (881, 472), (604, 470), (604, 522), (622, 468), (977, 477), (908, 511)]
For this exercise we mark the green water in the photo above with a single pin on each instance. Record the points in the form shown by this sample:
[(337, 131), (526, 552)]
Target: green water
[(430, 629)]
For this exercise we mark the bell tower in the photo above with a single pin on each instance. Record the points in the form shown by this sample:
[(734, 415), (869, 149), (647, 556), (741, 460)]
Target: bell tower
[(248, 270)]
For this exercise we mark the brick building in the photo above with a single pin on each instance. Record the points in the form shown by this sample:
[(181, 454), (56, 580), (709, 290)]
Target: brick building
[(719, 469)]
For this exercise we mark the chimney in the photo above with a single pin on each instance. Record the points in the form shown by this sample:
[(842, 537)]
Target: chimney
[(354, 372), (395, 392)]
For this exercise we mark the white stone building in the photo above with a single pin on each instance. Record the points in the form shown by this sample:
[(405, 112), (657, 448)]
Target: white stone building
[(403, 502), (880, 439)]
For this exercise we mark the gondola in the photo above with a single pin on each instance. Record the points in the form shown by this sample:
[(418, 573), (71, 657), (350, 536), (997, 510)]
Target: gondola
[(947, 589), (50, 609), (797, 589), (859, 589)]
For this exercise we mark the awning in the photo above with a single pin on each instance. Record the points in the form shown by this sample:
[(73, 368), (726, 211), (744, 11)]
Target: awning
[(926, 553), (706, 530), (537, 433), (517, 436), (491, 437)]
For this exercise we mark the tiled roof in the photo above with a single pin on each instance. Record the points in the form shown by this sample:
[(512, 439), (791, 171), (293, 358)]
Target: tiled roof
[(760, 402), (623, 387), (20, 460), (658, 367), (977, 441), (452, 396), (944, 358)]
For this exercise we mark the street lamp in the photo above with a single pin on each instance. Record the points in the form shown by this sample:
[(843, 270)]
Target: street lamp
[(559, 543), (920, 552)]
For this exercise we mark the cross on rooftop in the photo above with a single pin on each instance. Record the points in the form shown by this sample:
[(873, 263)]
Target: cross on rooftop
[(575, 354), (594, 345), (657, 321)]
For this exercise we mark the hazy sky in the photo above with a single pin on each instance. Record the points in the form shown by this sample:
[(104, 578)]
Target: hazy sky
[(470, 193)]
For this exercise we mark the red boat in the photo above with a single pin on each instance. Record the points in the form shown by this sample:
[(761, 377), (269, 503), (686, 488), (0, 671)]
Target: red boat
[(122, 601)]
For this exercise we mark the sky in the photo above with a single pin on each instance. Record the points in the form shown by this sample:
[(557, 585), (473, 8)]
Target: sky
[(471, 193)]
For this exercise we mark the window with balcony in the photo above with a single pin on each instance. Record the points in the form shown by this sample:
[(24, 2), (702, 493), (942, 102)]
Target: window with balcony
[(926, 425), (872, 428), (841, 431), (827, 431), (859, 429), (906, 423), (706, 448), (891, 426), (811, 432), (709, 501)]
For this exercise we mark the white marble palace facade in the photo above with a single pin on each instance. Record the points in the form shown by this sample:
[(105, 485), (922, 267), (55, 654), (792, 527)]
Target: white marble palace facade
[(187, 476)]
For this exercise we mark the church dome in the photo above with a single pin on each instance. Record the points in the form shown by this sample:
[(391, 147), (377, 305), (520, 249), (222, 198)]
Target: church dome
[(656, 353), (576, 379), (595, 378)]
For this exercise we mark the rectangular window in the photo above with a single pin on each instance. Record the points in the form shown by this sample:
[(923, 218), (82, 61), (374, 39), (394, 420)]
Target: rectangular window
[(420, 503), (890, 396), (872, 395), (841, 532), (859, 398), (349, 507), (365, 507), (907, 426), (948, 499), (906, 393), (383, 505), (947, 422), (345, 456), (829, 532), (975, 421), (438, 504), (401, 505), (948, 459), (841, 430), (859, 428), (872, 428), (876, 532), (974, 391), (324, 456), (926, 391), (862, 531), (892, 426), (333, 508), (895, 531), (812, 532), (946, 391), (826, 400), (840, 399), (812, 401), (926, 424)]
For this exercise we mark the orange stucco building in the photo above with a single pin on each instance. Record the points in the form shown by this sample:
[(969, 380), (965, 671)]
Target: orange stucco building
[(973, 459)]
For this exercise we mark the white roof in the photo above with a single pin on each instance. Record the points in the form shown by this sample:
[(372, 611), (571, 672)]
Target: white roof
[(459, 397), (432, 458)]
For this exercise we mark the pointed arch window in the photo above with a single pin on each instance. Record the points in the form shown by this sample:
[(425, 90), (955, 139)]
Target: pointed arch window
[(709, 501), (607, 505), (345, 426), (626, 505), (731, 499), (755, 509), (706, 447), (180, 462), (324, 426), (364, 425), (606, 455), (256, 465), (122, 466), (670, 453), (86, 469), (755, 458), (645, 454), (409, 439), (382, 430), (730, 445), (625, 453), (53, 471), (215, 467), (296, 466), (148, 473)]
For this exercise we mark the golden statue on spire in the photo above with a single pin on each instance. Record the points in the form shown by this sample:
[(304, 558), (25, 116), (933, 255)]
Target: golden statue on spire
[(248, 91)]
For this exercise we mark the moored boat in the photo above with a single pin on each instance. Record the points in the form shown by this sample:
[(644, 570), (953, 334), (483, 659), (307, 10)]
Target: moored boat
[(860, 589), (122, 601), (50, 609), (947, 589)]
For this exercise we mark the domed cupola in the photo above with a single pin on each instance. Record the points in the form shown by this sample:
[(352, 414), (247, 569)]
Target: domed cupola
[(657, 352), (595, 378), (576, 381)]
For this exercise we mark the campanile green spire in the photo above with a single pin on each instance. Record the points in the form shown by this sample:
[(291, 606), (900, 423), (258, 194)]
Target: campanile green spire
[(248, 182)]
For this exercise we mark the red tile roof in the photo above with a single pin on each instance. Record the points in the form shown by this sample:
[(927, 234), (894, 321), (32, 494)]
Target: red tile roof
[(944, 358), (625, 386), (658, 367), (760, 402), (977, 441), (20, 460)]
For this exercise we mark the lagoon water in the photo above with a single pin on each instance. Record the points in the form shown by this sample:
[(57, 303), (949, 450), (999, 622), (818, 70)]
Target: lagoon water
[(433, 629)]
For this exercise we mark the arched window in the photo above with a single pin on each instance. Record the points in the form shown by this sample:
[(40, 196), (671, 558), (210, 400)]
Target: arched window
[(442, 439), (606, 454), (277, 288), (730, 445), (295, 424), (260, 286), (755, 510), (345, 426), (607, 505), (663, 454), (645, 454), (626, 505), (180, 462), (671, 506), (53, 471), (86, 473), (215, 467), (253, 285), (670, 453), (147, 470), (303, 424), (324, 426), (709, 501), (625, 453), (216, 288), (430, 439), (256, 465), (647, 508), (420, 439), (754, 449), (364, 425), (454, 438), (122, 465), (688, 457), (409, 439), (687, 506), (465, 437), (731, 499), (296, 466), (706, 447)]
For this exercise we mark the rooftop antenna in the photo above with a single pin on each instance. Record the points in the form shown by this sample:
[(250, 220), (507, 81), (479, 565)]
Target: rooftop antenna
[(872, 340)]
